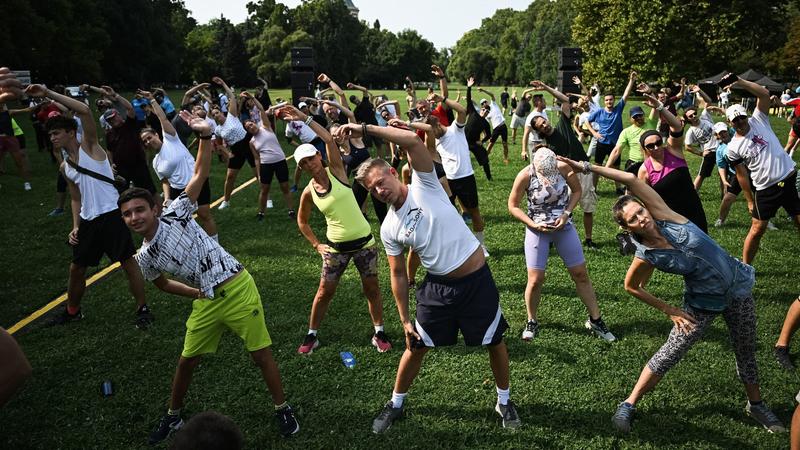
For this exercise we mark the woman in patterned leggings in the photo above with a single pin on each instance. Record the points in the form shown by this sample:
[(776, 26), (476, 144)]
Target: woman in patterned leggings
[(715, 284)]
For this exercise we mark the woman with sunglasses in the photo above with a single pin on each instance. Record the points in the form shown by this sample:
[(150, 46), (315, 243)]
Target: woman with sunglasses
[(715, 283), (665, 169)]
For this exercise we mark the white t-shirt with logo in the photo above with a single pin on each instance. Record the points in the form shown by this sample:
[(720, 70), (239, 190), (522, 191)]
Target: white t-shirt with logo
[(181, 248), (301, 130), (454, 152), (174, 162), (428, 223), (762, 153), (495, 115), (703, 133), (268, 148)]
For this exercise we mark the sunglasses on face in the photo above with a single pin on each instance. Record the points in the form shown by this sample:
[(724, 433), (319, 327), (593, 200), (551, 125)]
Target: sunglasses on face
[(654, 145), (690, 117)]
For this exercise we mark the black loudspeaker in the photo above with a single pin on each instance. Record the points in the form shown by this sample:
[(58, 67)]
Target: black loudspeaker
[(565, 83), (302, 84), (302, 58), (570, 58)]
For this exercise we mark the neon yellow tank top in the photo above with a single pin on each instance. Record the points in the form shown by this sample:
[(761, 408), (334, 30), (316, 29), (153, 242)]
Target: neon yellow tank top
[(17, 129), (342, 214)]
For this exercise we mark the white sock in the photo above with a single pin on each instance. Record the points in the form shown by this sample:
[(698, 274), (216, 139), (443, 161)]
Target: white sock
[(215, 237), (502, 395), (479, 235), (398, 399), (378, 328), (310, 331)]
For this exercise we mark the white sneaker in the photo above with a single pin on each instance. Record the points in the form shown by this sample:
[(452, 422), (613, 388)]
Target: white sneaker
[(718, 223), (269, 203), (771, 226), (27, 186), (485, 251), (224, 204), (600, 329)]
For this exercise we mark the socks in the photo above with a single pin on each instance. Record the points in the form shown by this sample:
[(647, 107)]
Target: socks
[(479, 235), (173, 412), (378, 328), (398, 399), (281, 406), (502, 395), (598, 320), (310, 331), (73, 310)]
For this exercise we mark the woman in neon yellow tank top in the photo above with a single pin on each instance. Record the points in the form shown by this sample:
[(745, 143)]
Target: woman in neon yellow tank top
[(349, 235)]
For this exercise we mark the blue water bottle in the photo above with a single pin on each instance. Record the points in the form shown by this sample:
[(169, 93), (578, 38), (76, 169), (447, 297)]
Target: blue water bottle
[(348, 359)]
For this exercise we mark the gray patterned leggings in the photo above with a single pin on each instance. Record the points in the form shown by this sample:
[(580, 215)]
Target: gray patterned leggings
[(740, 316)]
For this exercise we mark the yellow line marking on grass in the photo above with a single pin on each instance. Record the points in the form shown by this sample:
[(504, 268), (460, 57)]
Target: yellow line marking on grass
[(98, 276)]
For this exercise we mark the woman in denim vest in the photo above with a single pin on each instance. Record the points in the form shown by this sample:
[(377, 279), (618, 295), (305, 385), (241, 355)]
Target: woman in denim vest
[(715, 284)]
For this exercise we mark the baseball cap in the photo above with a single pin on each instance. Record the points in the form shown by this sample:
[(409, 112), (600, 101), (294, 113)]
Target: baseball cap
[(483, 100), (735, 111), (637, 111), (109, 114), (302, 105), (52, 114), (720, 126), (304, 151)]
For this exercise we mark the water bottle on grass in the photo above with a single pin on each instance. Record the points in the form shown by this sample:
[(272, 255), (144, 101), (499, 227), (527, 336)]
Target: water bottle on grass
[(348, 359)]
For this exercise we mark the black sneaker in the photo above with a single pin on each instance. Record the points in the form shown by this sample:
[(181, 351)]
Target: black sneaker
[(782, 355), (144, 318), (292, 214), (386, 417), (509, 414), (166, 428), (590, 245), (287, 423), (260, 216), (65, 318)]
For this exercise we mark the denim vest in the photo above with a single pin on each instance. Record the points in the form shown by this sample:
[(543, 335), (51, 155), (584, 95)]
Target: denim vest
[(712, 277)]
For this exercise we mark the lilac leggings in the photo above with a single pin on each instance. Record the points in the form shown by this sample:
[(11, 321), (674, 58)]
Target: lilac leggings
[(566, 240)]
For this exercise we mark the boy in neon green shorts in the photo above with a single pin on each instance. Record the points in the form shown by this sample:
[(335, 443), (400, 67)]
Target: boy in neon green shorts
[(225, 294)]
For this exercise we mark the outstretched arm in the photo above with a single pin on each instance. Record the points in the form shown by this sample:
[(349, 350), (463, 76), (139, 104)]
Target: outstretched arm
[(322, 78), (202, 164), (759, 92), (491, 96), (289, 112), (81, 110), (233, 102), (461, 111), (118, 100), (364, 91), (166, 125), (629, 87), (675, 144), (416, 152), (439, 73), (638, 274), (566, 108), (344, 109), (188, 94)]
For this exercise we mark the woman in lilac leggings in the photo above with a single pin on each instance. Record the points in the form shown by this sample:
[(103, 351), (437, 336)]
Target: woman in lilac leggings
[(552, 191)]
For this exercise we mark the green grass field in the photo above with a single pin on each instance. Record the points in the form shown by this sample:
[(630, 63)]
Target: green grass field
[(566, 383)]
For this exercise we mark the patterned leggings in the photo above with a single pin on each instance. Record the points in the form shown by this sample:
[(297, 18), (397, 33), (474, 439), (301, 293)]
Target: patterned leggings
[(740, 316)]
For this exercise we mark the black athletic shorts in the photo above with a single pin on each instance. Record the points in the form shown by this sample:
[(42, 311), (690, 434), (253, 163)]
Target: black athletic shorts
[(708, 165), (499, 131), (241, 153), (602, 151), (466, 190), (61, 183), (280, 169), (439, 169), (632, 166), (139, 175), (105, 234), (734, 187), (470, 304), (782, 194), (203, 199)]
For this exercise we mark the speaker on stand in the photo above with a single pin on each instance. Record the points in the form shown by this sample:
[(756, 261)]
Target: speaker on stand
[(302, 76), (570, 64)]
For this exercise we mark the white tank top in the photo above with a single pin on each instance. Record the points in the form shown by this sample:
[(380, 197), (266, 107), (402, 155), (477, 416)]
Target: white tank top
[(97, 197), (268, 147)]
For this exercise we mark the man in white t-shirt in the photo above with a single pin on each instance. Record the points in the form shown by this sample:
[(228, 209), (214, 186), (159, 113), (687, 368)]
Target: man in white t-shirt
[(700, 138), (530, 138), (457, 294), (453, 148), (756, 149), (223, 292), (498, 122)]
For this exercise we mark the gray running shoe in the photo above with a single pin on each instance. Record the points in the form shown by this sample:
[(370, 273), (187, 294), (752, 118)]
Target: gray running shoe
[(623, 417), (763, 415), (531, 329), (386, 417), (782, 355), (509, 414), (600, 329)]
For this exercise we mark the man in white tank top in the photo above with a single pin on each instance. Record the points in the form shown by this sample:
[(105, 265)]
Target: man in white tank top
[(457, 295), (97, 227)]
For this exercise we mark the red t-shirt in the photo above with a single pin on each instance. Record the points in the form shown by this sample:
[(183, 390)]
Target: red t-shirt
[(440, 114), (45, 111)]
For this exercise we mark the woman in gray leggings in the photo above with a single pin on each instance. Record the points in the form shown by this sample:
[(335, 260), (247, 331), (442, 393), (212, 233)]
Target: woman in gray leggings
[(715, 284)]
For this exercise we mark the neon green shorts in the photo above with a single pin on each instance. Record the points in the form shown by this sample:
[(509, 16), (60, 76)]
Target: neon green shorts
[(237, 306)]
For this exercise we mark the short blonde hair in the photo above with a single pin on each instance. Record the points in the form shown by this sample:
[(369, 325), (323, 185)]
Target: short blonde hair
[(366, 167)]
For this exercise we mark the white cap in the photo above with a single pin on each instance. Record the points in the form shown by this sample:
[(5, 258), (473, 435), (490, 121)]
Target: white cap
[(483, 100), (301, 105), (735, 111), (304, 151), (720, 126)]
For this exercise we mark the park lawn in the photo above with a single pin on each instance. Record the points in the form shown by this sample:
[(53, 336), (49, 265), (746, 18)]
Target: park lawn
[(565, 383)]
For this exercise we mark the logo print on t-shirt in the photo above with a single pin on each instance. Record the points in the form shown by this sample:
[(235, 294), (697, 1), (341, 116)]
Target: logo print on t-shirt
[(413, 217)]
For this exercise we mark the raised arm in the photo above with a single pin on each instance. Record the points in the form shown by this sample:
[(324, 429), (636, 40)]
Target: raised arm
[(188, 94), (416, 152), (344, 109), (364, 91), (566, 107), (202, 164), (81, 110), (10, 86), (491, 96), (759, 92), (117, 100), (166, 125), (233, 102), (322, 78), (461, 111), (289, 112), (675, 140), (631, 80), (439, 73)]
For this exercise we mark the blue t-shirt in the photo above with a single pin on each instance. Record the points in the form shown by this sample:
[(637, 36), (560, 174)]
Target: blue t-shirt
[(138, 108), (722, 160), (167, 105), (609, 123)]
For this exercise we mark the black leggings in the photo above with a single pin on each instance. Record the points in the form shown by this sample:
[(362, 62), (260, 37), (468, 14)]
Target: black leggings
[(482, 157), (361, 193)]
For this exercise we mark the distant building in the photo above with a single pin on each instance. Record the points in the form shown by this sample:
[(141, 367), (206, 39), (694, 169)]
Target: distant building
[(352, 8)]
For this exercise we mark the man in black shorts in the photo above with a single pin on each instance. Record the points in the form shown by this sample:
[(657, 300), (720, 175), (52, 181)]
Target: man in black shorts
[(452, 145), (97, 226), (504, 99), (457, 294)]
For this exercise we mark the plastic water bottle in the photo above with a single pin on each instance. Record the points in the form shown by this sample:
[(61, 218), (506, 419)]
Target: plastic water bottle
[(107, 388), (348, 359)]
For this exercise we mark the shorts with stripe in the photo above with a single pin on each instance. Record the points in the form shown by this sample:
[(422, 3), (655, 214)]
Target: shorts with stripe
[(470, 304)]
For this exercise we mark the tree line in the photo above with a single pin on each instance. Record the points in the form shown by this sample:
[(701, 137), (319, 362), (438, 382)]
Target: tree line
[(141, 42)]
